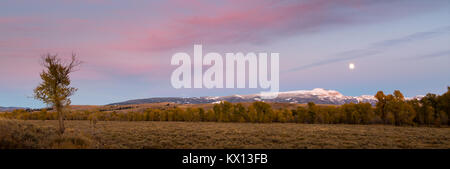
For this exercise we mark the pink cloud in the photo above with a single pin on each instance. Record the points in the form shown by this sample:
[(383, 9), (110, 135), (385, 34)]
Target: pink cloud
[(256, 21), (15, 43), (253, 22), (116, 46), (17, 20)]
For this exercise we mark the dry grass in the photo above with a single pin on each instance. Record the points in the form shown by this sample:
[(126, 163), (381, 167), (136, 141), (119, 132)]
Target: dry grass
[(136, 135), (15, 134)]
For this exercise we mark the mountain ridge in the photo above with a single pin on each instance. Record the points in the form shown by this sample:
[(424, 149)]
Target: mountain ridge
[(10, 108), (317, 95)]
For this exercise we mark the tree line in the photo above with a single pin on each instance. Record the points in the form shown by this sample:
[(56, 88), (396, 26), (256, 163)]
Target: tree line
[(391, 109)]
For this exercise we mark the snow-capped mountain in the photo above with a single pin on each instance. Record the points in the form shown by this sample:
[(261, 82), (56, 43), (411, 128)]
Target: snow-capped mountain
[(418, 97), (318, 96)]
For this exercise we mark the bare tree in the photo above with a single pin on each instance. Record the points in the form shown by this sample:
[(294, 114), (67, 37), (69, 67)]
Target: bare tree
[(54, 89)]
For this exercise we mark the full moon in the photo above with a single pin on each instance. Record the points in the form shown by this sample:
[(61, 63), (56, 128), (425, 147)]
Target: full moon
[(351, 66)]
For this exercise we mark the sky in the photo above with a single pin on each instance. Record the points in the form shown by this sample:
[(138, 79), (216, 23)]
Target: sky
[(126, 46)]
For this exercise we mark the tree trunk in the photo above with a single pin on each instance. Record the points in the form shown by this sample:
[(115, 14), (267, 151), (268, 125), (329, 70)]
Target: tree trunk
[(61, 119)]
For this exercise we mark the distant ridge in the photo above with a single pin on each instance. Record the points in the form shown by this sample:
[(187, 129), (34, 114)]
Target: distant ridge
[(11, 108), (317, 95)]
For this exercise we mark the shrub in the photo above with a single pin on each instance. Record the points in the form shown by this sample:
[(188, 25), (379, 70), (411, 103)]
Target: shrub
[(16, 134)]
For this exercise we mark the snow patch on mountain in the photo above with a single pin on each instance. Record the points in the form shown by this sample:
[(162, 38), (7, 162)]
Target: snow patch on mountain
[(317, 95)]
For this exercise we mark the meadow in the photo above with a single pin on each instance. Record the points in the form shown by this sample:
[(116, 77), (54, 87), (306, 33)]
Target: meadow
[(213, 135)]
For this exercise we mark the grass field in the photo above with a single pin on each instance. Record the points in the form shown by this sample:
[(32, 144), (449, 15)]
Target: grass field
[(137, 135)]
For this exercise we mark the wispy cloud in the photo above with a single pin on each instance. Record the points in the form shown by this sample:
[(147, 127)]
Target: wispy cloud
[(258, 22), (413, 37), (380, 47), (444, 53), (207, 22)]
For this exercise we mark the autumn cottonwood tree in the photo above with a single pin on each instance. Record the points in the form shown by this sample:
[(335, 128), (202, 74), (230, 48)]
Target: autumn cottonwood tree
[(381, 104), (54, 89)]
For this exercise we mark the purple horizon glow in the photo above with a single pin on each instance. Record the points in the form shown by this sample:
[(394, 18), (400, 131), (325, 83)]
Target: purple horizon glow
[(126, 46)]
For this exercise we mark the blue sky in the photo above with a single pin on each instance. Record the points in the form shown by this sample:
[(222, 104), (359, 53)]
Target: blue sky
[(126, 46)]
